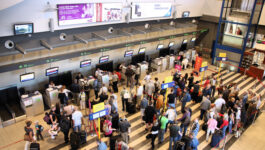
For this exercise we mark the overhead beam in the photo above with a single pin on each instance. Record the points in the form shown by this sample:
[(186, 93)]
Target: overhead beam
[(20, 49), (78, 38), (94, 35), (46, 45)]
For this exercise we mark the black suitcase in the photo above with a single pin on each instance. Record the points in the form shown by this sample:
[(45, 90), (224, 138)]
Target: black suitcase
[(131, 108), (205, 127), (216, 138), (75, 140), (113, 141), (180, 145), (83, 136), (34, 146)]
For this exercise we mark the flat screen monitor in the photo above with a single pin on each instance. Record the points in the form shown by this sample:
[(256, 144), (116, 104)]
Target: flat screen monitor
[(142, 50), (159, 46), (193, 39), (185, 42), (164, 52), (107, 66), (52, 71), (128, 53), (186, 14), (26, 28), (27, 77), (170, 44), (138, 58), (103, 59), (85, 63)]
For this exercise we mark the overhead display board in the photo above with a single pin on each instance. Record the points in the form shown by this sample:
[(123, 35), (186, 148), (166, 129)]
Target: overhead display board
[(52, 71), (27, 77), (85, 63), (104, 59), (151, 10), (128, 53), (26, 28), (69, 14)]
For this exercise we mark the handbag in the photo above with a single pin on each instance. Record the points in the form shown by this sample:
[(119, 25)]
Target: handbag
[(26, 137)]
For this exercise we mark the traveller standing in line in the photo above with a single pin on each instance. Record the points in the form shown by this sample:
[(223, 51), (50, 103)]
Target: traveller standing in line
[(129, 74), (163, 121), (213, 86), (137, 74), (115, 80), (77, 120), (139, 94), (205, 105), (212, 125), (82, 98), (186, 98), (143, 105), (125, 130), (29, 135), (185, 121), (124, 98), (175, 135), (154, 133), (65, 125), (96, 86)]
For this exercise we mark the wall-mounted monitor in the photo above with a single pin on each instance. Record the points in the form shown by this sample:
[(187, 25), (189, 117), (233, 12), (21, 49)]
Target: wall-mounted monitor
[(52, 71), (27, 77), (141, 50), (151, 10), (159, 46), (185, 14), (128, 53), (85, 63), (69, 14), (104, 59), (185, 42), (170, 44), (193, 39), (26, 28)]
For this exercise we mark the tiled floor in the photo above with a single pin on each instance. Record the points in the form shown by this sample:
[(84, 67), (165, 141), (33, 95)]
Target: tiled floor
[(11, 136)]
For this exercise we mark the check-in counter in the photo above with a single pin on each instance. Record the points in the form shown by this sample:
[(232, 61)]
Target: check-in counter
[(157, 64), (52, 95), (32, 104), (170, 61), (143, 69), (164, 64)]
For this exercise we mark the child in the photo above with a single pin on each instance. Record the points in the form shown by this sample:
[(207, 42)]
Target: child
[(39, 128), (82, 97), (54, 130)]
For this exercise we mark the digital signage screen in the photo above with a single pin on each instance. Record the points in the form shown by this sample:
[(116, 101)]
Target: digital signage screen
[(27, 77), (185, 42), (170, 44), (69, 14), (193, 39), (103, 59), (151, 10), (85, 63), (142, 50), (52, 71), (128, 53), (26, 28), (159, 46)]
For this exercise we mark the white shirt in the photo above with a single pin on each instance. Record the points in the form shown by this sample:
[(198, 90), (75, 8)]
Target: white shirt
[(218, 103), (140, 91), (77, 117), (171, 114), (147, 78), (238, 114), (104, 89), (66, 92)]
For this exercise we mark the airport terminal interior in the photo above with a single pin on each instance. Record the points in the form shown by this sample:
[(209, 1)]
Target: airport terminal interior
[(132, 74)]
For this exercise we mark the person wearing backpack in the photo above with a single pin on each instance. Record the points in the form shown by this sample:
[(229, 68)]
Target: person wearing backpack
[(29, 135), (185, 121), (65, 125), (107, 127), (186, 98), (39, 128)]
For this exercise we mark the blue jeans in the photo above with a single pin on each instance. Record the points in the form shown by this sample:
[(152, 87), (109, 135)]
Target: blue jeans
[(77, 128), (230, 125), (185, 129), (175, 139), (161, 135), (224, 129)]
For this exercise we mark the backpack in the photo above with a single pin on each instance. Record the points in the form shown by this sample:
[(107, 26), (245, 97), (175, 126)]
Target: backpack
[(64, 124), (47, 118), (106, 127)]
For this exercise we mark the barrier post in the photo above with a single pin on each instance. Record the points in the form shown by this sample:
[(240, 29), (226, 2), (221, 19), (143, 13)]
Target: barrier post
[(99, 128), (224, 143)]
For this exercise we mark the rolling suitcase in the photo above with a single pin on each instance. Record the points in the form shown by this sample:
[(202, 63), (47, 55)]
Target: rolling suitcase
[(131, 108), (216, 138), (83, 136), (180, 145), (75, 140), (34, 146)]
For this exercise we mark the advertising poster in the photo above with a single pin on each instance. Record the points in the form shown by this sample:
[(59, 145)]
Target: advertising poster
[(109, 12), (76, 13), (69, 14), (151, 10), (178, 67), (198, 64)]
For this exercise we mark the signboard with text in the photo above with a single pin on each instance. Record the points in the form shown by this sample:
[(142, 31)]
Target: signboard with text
[(198, 63), (98, 107)]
